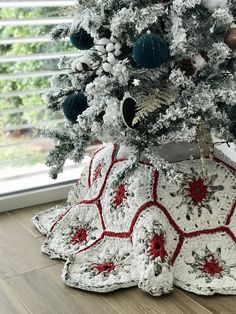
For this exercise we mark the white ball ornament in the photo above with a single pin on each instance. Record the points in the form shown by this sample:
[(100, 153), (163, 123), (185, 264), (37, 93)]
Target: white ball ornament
[(102, 43), (110, 47), (107, 67), (117, 53), (118, 46), (111, 59), (214, 4)]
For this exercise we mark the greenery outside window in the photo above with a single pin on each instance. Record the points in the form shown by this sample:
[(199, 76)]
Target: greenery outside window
[(28, 58)]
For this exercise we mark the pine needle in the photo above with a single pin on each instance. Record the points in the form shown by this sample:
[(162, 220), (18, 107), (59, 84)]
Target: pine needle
[(163, 96)]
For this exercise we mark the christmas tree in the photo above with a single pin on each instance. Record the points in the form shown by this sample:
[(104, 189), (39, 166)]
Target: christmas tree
[(152, 77), (148, 73)]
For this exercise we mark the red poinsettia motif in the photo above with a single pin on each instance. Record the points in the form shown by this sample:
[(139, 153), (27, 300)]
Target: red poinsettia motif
[(80, 236), (197, 190), (211, 266), (157, 247), (105, 267), (97, 172), (120, 195)]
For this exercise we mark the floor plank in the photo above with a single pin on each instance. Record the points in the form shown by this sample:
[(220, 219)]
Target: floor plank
[(30, 281), (9, 304), (217, 304), (19, 250), (42, 291), (23, 216), (134, 301)]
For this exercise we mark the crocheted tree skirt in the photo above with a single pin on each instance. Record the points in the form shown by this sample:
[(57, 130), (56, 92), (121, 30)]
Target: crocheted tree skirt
[(142, 230)]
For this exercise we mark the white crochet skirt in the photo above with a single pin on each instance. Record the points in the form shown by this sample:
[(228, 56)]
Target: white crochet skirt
[(137, 229)]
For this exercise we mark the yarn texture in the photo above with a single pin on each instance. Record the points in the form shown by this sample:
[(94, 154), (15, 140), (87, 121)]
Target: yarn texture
[(137, 229)]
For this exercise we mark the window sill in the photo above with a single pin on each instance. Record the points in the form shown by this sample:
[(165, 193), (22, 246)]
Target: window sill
[(35, 197), (36, 187)]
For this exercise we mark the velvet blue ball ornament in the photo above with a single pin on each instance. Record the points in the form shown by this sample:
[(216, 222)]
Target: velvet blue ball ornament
[(150, 51), (82, 40), (74, 105)]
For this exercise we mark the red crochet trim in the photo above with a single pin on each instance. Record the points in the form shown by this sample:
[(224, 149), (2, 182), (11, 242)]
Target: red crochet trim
[(113, 162), (197, 191), (120, 195), (99, 205), (225, 164), (116, 234), (80, 236), (157, 247), (106, 267), (91, 163), (228, 220), (211, 266), (97, 172), (60, 218), (155, 183)]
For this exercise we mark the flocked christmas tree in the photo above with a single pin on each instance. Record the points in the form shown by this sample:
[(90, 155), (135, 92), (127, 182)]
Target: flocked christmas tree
[(149, 73), (157, 207)]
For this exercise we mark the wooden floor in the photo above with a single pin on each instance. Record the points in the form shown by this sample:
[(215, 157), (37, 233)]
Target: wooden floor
[(30, 281)]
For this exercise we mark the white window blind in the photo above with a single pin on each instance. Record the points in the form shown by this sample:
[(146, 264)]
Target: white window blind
[(28, 57)]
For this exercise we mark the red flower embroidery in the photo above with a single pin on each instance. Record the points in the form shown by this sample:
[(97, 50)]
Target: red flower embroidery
[(120, 195), (97, 172), (197, 191), (157, 247), (211, 266), (105, 267), (80, 236)]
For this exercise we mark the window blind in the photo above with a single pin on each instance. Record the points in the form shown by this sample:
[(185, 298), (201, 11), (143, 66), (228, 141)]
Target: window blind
[(28, 58)]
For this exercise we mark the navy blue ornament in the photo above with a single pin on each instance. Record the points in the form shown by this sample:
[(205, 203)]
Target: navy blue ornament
[(74, 105), (82, 40), (128, 112), (150, 51), (232, 117)]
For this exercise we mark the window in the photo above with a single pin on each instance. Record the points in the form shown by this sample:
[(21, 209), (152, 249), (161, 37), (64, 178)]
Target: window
[(28, 57)]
